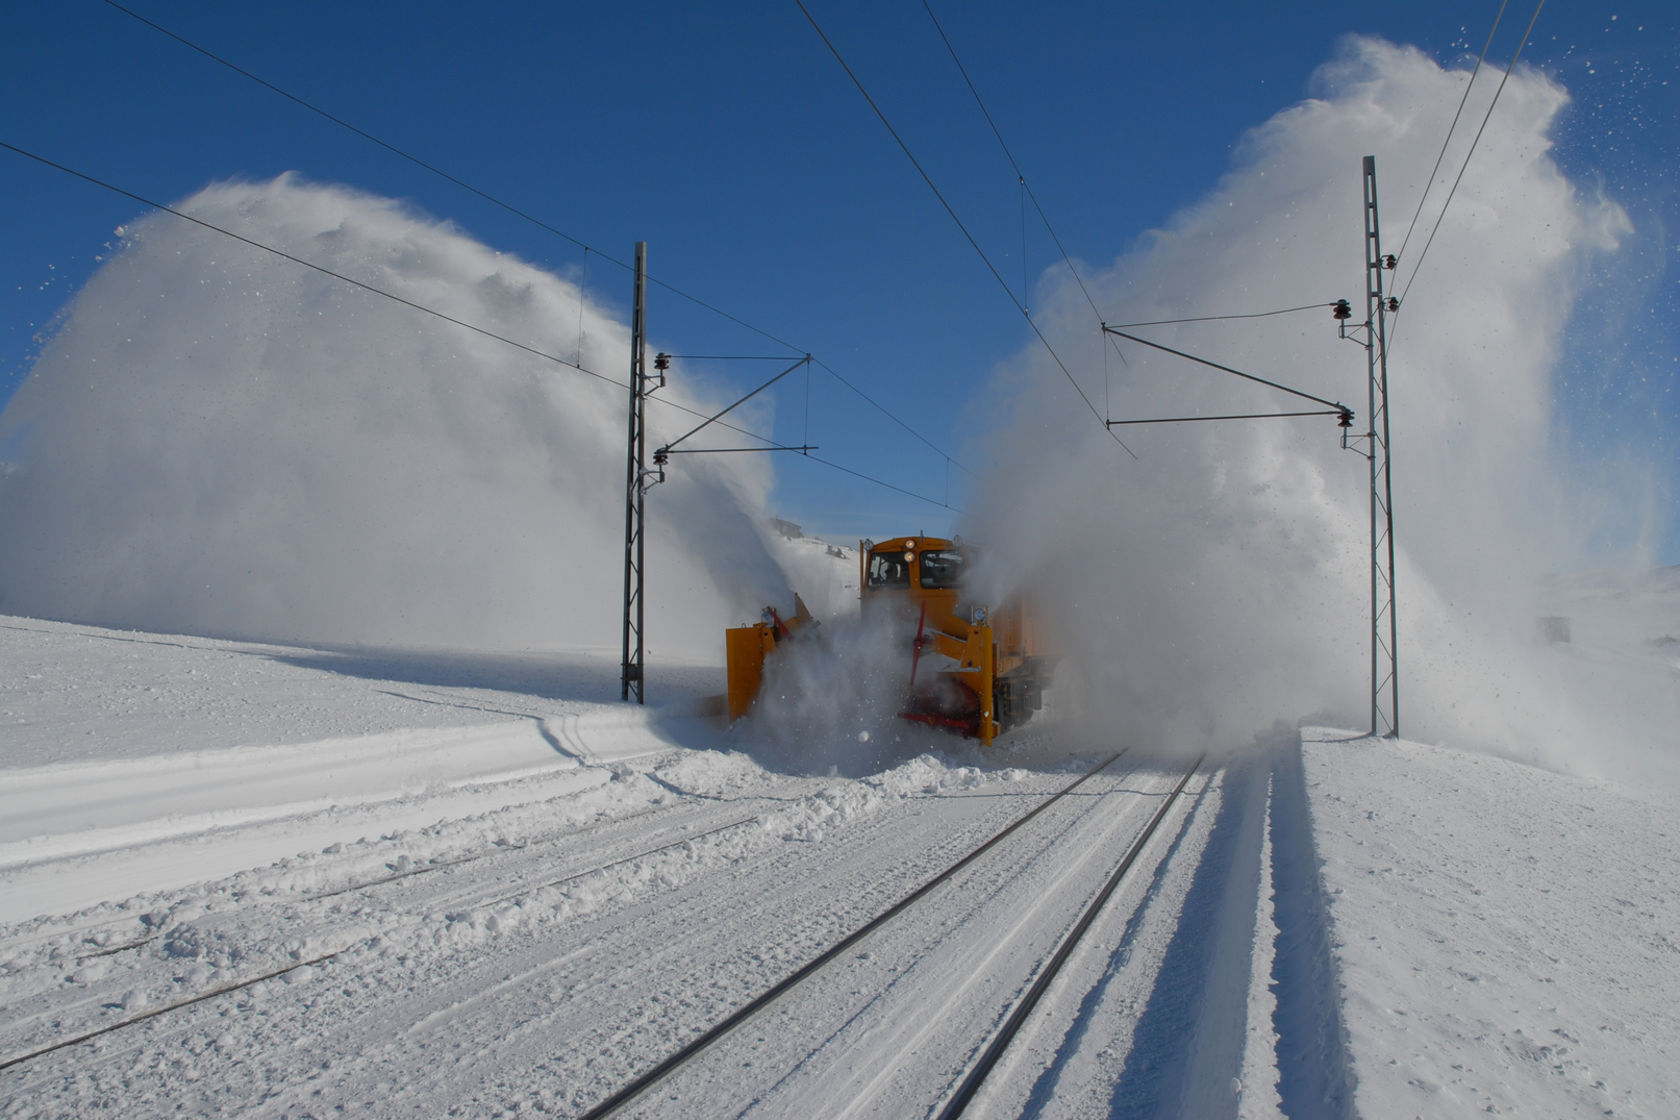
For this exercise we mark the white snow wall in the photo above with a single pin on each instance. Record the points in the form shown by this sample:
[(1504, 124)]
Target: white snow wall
[(219, 441), (1221, 579)]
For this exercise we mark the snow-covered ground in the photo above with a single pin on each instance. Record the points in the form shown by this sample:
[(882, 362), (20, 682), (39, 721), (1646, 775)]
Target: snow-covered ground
[(1508, 939), (479, 884)]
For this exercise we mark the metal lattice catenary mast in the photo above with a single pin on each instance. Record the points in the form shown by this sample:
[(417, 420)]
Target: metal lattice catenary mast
[(1385, 670), (635, 490)]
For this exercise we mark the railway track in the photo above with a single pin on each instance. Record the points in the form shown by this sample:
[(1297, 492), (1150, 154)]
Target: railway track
[(471, 999), (693, 820), (962, 1094), (466, 898), (518, 871), (83, 935), (85, 945)]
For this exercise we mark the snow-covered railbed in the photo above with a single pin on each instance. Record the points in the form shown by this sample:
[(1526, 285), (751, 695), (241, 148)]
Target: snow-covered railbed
[(889, 1028), (630, 956)]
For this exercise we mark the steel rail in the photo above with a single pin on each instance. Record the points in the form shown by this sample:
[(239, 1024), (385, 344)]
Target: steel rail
[(999, 1044), (165, 1009), (539, 845), (659, 1072)]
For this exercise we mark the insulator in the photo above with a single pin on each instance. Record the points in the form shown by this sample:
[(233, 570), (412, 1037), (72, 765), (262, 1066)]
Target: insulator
[(1345, 420), (662, 362), (1390, 261), (1343, 310), (661, 457), (1393, 303)]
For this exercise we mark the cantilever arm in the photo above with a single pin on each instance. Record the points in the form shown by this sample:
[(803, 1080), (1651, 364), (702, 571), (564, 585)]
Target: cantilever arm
[(737, 404), (1227, 369)]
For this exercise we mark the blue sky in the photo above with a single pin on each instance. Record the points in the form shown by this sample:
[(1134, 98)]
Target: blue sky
[(729, 139)]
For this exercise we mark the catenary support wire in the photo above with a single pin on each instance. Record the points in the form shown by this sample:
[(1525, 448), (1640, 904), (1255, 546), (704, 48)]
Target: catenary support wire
[(1222, 318), (1026, 188), (769, 443), (1429, 184), (667, 448), (1335, 405), (501, 204), (949, 210), (1465, 166), (1244, 416)]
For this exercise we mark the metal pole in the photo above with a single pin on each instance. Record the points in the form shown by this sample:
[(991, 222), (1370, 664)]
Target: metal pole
[(635, 493), (1385, 671), (1371, 433)]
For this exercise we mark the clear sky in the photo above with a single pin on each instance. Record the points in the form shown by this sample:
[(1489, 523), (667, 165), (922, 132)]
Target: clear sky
[(729, 139)]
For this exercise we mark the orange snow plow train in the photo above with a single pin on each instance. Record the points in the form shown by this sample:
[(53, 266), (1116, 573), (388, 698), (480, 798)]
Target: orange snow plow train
[(974, 670)]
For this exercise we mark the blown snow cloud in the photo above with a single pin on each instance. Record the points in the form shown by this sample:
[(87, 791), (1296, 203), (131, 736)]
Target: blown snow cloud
[(1222, 579), (220, 441)]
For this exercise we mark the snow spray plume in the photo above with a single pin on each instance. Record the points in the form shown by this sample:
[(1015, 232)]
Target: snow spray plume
[(219, 441), (1222, 580), (831, 697)]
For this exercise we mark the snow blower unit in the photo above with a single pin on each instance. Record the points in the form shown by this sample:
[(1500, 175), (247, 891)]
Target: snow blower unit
[(973, 670)]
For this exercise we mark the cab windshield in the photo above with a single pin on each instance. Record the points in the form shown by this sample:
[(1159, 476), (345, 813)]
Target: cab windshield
[(941, 569)]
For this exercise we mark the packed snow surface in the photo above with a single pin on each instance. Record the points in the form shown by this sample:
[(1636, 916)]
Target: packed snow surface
[(1509, 938), (420, 882)]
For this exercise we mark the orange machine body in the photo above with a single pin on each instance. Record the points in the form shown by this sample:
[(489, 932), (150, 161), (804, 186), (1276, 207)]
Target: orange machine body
[(976, 670)]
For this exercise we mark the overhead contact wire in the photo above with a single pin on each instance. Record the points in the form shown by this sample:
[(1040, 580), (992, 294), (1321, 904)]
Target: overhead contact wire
[(494, 201), (1108, 329), (771, 444), (1466, 164), (1429, 184), (1026, 188), (184, 216), (368, 136), (888, 485), (1215, 318), (832, 372), (1019, 174), (938, 194)]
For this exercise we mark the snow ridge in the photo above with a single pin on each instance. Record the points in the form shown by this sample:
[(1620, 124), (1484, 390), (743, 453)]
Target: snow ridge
[(1315, 1077)]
